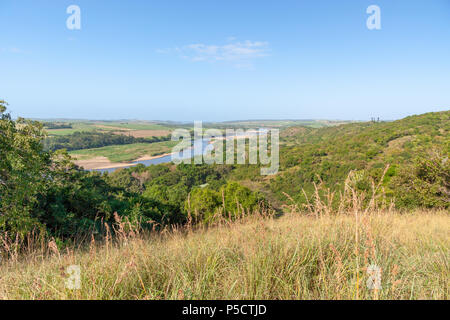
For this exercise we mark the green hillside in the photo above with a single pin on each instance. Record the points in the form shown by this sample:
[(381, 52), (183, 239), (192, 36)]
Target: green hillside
[(309, 156)]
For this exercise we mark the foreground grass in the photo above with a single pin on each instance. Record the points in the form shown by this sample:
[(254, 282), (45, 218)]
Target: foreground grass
[(293, 257), (125, 152)]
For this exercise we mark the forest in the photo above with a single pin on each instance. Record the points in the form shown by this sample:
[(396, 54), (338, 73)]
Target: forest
[(94, 139)]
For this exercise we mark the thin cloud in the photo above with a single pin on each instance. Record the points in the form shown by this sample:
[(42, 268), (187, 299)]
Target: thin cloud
[(12, 50), (237, 52)]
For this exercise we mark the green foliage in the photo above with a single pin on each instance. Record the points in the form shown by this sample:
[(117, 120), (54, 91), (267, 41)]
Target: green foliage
[(424, 184), (202, 204), (94, 139), (239, 199), (173, 187), (310, 156), (23, 172), (232, 200), (44, 191), (57, 125)]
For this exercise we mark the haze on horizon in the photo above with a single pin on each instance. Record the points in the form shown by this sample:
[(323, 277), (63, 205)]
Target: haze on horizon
[(224, 60)]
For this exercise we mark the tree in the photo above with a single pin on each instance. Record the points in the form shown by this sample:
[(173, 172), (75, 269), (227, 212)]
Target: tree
[(23, 171), (202, 204), (240, 199), (426, 184)]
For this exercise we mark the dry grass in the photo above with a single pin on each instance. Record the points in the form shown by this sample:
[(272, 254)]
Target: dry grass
[(297, 256), (322, 251)]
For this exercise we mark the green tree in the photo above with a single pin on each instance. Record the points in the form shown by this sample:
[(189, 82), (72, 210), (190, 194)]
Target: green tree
[(425, 184), (203, 203), (23, 171), (240, 199)]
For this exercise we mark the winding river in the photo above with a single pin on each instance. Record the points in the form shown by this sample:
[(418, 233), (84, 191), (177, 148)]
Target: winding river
[(192, 152), (165, 159)]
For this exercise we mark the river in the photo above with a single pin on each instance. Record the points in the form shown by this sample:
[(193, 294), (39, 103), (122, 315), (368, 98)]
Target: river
[(165, 159), (206, 144)]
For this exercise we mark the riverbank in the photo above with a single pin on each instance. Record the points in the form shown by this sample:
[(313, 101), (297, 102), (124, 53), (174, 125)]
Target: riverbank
[(101, 163), (101, 156)]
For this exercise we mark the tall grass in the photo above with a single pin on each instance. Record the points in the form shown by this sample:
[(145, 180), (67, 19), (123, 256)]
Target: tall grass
[(317, 252), (293, 257)]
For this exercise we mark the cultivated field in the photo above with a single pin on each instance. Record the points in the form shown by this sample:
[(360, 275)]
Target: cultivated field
[(135, 128), (144, 133)]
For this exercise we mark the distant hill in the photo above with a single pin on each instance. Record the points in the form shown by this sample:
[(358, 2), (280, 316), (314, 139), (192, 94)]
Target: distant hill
[(312, 123)]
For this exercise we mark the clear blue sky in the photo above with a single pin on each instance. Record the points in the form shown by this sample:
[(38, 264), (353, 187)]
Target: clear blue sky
[(224, 59)]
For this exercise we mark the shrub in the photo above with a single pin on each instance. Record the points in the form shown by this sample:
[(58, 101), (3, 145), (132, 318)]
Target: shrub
[(425, 184)]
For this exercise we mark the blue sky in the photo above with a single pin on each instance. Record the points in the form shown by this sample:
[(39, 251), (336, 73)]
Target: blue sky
[(218, 60)]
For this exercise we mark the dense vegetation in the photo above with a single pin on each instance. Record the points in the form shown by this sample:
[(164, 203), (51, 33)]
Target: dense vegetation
[(94, 139), (57, 125), (42, 190), (416, 149)]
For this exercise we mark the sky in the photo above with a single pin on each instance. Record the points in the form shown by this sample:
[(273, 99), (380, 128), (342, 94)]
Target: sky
[(216, 60)]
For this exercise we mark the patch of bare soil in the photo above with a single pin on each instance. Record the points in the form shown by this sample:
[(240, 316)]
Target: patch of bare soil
[(396, 145), (100, 163)]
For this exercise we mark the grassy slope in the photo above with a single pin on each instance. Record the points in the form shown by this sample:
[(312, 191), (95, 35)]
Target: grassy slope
[(293, 257), (331, 152), (126, 152)]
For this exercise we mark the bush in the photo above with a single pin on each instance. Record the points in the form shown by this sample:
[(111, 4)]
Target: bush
[(202, 204), (425, 184)]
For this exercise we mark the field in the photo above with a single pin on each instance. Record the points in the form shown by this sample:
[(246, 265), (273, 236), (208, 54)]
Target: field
[(144, 133), (126, 152), (136, 125), (138, 128), (121, 127), (296, 256), (75, 127)]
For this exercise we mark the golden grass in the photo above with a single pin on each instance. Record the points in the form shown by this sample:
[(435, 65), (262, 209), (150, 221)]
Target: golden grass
[(297, 256)]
